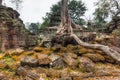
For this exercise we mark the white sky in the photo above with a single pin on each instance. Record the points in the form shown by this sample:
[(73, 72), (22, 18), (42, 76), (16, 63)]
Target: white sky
[(34, 10)]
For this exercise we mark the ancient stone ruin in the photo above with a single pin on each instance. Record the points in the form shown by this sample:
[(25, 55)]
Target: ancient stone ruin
[(114, 24), (12, 30)]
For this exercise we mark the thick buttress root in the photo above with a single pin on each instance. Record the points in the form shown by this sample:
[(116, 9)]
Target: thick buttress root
[(109, 51), (66, 28)]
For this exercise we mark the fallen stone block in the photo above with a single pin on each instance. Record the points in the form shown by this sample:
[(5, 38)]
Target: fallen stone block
[(43, 59), (86, 65), (29, 61), (69, 60)]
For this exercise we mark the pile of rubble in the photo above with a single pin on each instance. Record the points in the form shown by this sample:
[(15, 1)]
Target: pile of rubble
[(57, 63)]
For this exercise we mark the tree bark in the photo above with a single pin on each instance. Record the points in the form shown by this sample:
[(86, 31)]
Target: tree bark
[(66, 28)]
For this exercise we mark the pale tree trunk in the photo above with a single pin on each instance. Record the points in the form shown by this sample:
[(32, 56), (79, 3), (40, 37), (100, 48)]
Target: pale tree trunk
[(0, 2), (66, 28)]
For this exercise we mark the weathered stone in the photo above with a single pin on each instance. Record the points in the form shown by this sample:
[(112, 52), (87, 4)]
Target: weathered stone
[(38, 49), (46, 43), (86, 64), (43, 59), (90, 50), (70, 48), (12, 30), (2, 55), (29, 52), (41, 70), (27, 74), (94, 57), (53, 57), (17, 51), (82, 76), (63, 40), (80, 50), (73, 55), (27, 78), (13, 66), (66, 78), (3, 64), (83, 50), (65, 73), (33, 76), (32, 62), (77, 78), (69, 60), (109, 59), (102, 73), (1, 76), (19, 58), (6, 78), (11, 51), (57, 47), (43, 75), (58, 63), (42, 78), (21, 71), (53, 73)]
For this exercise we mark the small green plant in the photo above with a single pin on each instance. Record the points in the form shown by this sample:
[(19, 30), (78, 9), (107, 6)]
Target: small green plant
[(0, 52), (8, 59)]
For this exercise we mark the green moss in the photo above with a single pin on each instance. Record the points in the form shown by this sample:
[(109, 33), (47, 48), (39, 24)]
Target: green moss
[(8, 59), (1, 52), (7, 69)]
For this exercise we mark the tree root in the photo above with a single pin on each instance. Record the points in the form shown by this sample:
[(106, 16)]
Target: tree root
[(109, 51), (66, 27)]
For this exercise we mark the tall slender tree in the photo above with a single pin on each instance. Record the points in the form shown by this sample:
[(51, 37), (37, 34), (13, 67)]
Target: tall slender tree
[(0, 2)]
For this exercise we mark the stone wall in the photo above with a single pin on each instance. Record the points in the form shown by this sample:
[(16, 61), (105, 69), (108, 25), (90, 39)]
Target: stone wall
[(12, 30)]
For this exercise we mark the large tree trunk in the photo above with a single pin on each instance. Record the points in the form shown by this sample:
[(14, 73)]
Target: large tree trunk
[(0, 2), (66, 28)]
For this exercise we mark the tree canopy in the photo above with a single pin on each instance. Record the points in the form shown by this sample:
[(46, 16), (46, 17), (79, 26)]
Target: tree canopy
[(105, 9), (33, 27), (76, 10)]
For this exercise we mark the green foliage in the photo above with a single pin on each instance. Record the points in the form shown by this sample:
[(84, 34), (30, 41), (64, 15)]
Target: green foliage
[(46, 22), (34, 27), (101, 13), (76, 11), (8, 59), (105, 9)]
